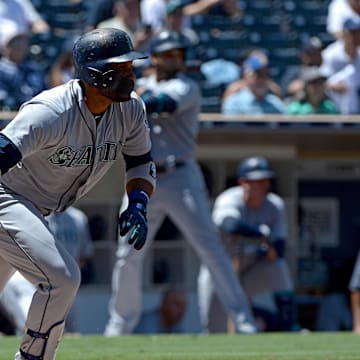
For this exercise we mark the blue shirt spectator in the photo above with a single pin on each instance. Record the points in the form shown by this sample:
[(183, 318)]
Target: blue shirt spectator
[(168, 317), (254, 96), (20, 79), (245, 102)]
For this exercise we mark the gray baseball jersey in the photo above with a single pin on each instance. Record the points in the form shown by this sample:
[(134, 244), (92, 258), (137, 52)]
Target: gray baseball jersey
[(58, 136), (174, 135), (181, 194), (64, 154)]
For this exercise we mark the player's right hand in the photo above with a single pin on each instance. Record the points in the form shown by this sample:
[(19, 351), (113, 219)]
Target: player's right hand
[(134, 219)]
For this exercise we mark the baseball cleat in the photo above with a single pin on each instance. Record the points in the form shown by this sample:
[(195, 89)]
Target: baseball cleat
[(18, 356)]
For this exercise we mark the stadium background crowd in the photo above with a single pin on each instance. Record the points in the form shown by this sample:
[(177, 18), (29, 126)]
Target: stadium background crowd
[(281, 35)]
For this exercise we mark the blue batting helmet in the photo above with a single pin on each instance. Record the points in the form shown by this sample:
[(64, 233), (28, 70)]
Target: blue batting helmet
[(255, 168)]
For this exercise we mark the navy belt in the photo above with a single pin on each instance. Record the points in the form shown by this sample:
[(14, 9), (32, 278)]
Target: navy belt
[(169, 167)]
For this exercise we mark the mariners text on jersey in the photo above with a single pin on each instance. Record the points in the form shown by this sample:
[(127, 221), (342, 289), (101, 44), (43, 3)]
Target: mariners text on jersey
[(85, 155)]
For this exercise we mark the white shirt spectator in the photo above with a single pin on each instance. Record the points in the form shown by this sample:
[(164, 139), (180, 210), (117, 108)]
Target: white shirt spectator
[(347, 101), (153, 13), (335, 58), (338, 12), (19, 16)]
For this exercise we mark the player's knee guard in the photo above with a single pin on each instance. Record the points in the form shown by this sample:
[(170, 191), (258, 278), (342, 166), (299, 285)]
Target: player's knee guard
[(43, 345)]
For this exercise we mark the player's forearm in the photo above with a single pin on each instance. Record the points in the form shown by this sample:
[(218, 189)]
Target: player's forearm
[(235, 226), (140, 173), (200, 7), (140, 184)]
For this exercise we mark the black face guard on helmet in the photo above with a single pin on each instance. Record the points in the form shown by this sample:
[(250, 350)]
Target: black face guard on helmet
[(94, 53)]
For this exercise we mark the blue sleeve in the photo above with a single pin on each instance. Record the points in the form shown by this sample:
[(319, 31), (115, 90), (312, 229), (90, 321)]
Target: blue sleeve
[(9, 154), (235, 226), (161, 103), (133, 161)]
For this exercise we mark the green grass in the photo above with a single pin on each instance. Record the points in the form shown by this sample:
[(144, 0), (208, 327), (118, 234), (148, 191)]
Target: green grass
[(267, 346)]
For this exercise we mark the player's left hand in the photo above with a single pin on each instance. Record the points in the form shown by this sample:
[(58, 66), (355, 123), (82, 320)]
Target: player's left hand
[(134, 219)]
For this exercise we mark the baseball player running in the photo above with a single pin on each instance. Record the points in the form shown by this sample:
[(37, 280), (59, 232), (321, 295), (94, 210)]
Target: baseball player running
[(173, 103), (54, 151), (254, 222)]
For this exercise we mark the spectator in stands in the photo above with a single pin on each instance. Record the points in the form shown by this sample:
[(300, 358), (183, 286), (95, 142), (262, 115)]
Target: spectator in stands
[(338, 12), (315, 99), (254, 95), (99, 10), (226, 8), (174, 21), (310, 54), (20, 16), (341, 64), (167, 318), (343, 51), (153, 12), (62, 70), (127, 18), (239, 84), (20, 79)]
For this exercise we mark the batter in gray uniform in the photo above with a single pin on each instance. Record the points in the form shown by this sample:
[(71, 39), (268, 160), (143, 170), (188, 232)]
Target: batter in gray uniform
[(54, 151), (173, 102), (254, 223)]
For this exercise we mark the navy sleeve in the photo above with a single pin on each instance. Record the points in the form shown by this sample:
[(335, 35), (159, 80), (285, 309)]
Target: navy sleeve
[(235, 226), (161, 103), (279, 246), (133, 161), (9, 154)]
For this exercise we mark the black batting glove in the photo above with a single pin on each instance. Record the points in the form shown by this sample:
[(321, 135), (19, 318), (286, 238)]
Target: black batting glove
[(134, 219)]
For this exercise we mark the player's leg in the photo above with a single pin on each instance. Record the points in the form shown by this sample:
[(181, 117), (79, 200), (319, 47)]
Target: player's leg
[(190, 212), (205, 295), (274, 277), (213, 317), (354, 288), (6, 271), (266, 276), (9, 307), (126, 299), (32, 250)]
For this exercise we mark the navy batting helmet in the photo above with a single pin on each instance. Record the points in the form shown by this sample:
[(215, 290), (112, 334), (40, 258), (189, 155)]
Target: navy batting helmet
[(166, 41), (255, 168), (95, 50)]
